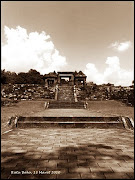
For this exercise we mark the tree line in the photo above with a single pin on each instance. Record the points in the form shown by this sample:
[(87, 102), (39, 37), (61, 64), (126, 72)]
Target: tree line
[(31, 77)]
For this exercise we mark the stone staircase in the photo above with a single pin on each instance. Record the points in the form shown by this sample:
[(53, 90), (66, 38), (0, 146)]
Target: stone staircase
[(70, 122), (114, 122), (66, 93), (66, 105), (66, 99)]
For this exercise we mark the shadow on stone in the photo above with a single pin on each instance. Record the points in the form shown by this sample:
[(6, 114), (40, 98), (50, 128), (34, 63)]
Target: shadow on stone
[(82, 161)]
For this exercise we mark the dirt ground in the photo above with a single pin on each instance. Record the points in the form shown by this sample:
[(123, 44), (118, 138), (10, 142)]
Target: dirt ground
[(28, 108)]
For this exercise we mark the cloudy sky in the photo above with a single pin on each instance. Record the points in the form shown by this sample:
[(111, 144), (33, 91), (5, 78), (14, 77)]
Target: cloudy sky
[(95, 37)]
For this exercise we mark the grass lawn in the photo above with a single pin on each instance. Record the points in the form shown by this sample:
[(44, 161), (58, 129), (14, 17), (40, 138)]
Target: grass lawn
[(28, 108), (22, 108), (111, 107)]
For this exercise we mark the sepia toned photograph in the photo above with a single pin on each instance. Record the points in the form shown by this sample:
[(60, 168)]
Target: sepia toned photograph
[(67, 90)]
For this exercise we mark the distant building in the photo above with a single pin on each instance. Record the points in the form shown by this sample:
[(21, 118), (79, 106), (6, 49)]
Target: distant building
[(69, 78)]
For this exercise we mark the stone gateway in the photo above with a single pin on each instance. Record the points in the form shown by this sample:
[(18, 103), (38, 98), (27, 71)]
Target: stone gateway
[(68, 78)]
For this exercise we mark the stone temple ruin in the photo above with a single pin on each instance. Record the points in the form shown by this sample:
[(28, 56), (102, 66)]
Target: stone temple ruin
[(65, 78)]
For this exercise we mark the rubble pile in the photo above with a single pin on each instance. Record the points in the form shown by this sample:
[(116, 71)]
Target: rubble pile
[(102, 92), (80, 93), (17, 92)]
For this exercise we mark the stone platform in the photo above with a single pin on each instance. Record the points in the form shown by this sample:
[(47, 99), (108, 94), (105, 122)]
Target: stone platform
[(69, 113), (68, 154)]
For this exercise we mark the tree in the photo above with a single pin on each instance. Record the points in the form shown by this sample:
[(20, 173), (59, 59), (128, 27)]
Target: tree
[(31, 77), (34, 77), (13, 78), (3, 76), (8, 77), (22, 78)]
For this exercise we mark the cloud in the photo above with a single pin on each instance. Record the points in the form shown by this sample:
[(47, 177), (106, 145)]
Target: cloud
[(123, 46), (112, 74), (93, 74), (24, 51)]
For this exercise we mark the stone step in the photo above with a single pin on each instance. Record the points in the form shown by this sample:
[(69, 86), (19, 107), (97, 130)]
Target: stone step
[(66, 107), (63, 94), (70, 122), (67, 95), (65, 87), (66, 104), (71, 119), (66, 99), (67, 90), (100, 125)]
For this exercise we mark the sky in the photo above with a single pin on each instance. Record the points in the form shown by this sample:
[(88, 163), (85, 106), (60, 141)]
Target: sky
[(92, 36)]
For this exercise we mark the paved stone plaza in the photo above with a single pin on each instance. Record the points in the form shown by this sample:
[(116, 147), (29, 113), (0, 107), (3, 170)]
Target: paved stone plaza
[(71, 153)]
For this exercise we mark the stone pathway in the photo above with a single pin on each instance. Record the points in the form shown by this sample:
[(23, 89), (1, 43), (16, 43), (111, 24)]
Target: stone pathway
[(67, 153), (69, 113)]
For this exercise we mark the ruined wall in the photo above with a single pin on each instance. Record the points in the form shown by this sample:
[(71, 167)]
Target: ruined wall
[(17, 92)]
